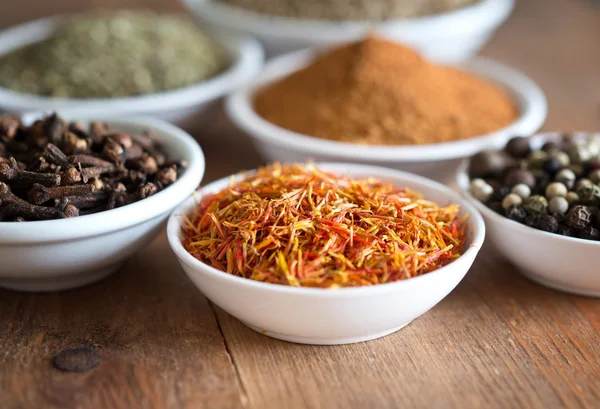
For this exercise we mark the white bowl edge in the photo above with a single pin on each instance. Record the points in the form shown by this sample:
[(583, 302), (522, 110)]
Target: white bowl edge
[(484, 16)]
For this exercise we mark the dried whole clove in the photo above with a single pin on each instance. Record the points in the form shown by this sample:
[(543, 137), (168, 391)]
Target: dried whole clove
[(9, 126), (54, 169), (54, 155), (41, 194), (10, 172)]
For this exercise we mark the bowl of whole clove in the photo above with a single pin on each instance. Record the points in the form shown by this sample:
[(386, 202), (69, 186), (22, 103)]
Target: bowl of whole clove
[(78, 198), (540, 198)]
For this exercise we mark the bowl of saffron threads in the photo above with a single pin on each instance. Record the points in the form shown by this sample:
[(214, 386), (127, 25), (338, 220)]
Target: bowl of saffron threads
[(325, 254)]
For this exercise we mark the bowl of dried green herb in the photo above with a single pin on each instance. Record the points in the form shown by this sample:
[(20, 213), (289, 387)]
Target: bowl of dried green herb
[(327, 253), (78, 198), (122, 63)]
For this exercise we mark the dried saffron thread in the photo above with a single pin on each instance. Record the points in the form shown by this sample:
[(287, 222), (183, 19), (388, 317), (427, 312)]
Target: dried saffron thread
[(297, 225)]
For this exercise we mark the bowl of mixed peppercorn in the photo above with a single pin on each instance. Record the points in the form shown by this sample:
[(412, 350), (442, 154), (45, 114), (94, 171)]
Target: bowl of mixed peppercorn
[(78, 198), (540, 198)]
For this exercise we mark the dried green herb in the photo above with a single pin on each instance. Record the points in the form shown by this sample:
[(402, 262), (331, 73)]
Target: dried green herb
[(113, 54)]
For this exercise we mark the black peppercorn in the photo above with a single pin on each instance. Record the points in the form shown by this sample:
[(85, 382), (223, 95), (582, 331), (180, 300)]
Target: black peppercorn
[(500, 193), (516, 213), (531, 221), (517, 176), (596, 219), (590, 233), (497, 207), (579, 217), (550, 147), (487, 164), (564, 230), (552, 166), (542, 180), (592, 165), (518, 147), (548, 223)]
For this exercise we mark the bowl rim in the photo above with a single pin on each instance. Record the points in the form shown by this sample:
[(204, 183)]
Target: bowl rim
[(462, 183), (481, 16), (124, 217), (527, 95), (475, 222), (246, 60)]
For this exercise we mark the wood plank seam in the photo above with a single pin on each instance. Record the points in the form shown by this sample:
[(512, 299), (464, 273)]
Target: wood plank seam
[(238, 375)]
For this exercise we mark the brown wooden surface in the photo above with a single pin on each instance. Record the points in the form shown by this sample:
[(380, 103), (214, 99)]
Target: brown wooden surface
[(498, 341)]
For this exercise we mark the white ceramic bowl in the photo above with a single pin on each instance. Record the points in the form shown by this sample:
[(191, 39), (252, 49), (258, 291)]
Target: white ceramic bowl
[(436, 161), (341, 316), (181, 106), (67, 253), (559, 262), (451, 36)]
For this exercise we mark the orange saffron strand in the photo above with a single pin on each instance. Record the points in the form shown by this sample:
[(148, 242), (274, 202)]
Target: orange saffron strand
[(297, 225)]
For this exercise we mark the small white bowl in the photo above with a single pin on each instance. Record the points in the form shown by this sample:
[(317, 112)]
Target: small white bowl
[(181, 106), (340, 316), (451, 36), (436, 161), (61, 254), (562, 263)]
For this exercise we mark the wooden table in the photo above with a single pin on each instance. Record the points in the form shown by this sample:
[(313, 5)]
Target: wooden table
[(498, 341)]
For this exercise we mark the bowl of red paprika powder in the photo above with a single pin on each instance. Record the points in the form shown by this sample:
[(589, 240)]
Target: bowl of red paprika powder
[(377, 102)]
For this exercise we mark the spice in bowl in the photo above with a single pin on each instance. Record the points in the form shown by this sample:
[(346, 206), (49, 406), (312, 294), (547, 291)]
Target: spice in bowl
[(113, 54), (339, 10), (555, 189), (297, 225), (54, 169), (378, 92)]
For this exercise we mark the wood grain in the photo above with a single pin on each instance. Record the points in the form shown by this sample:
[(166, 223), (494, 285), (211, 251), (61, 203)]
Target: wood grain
[(156, 335), (498, 341)]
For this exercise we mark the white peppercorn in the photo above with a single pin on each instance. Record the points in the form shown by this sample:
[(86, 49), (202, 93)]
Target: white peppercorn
[(522, 190), (593, 147), (537, 158), (481, 191), (563, 158), (511, 199), (572, 197), (558, 205), (566, 177), (579, 154), (556, 189)]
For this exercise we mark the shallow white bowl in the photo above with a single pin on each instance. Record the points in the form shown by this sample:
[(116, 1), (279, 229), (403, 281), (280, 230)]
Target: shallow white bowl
[(67, 253), (559, 262), (451, 36), (436, 161), (181, 106), (341, 316)]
